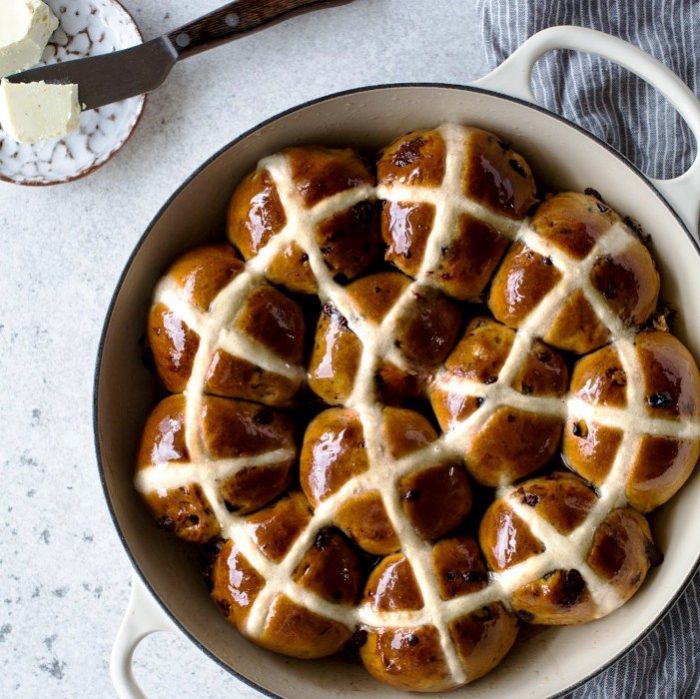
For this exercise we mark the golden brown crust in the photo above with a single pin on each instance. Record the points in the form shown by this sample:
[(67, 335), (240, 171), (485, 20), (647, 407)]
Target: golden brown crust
[(620, 553), (276, 322), (511, 443), (232, 377), (296, 631), (497, 177), (417, 158), (483, 638), (428, 329), (392, 586), (493, 176), (230, 430), (458, 567), (589, 448), (290, 267), (427, 332), (184, 511), (576, 327), (331, 569), (521, 282), (505, 539), (661, 467), (319, 172), (623, 551), (348, 240), (374, 295), (560, 597), (436, 500), (364, 519), (671, 390), (335, 358), (275, 528), (469, 260), (235, 584), (236, 428), (266, 318), (671, 376), (406, 227), (201, 273), (561, 499), (625, 280), (163, 437), (629, 283), (573, 222), (333, 452), (410, 659), (405, 431), (255, 213), (174, 346), (600, 379)]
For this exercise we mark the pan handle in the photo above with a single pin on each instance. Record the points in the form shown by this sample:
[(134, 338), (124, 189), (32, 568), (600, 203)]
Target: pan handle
[(514, 78), (143, 617)]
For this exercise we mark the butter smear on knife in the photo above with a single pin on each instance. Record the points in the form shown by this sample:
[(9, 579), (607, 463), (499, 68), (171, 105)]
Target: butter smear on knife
[(25, 28), (31, 112)]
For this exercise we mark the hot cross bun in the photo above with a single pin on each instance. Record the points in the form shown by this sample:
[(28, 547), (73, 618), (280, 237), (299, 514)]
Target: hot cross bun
[(593, 560), (346, 236), (261, 332), (577, 252), (377, 390)]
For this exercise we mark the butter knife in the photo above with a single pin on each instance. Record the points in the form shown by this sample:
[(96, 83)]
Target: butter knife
[(122, 74)]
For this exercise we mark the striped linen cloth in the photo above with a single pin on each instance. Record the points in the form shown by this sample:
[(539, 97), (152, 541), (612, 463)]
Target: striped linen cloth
[(629, 115), (604, 98)]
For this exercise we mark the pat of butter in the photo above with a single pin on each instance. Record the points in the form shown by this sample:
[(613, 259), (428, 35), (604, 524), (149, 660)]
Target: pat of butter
[(25, 28), (31, 112)]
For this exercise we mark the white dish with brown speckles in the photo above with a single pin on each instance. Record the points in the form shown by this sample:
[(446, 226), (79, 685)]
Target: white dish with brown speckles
[(87, 28)]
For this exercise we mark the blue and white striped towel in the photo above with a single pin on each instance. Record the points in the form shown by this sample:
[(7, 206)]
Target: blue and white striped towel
[(604, 98), (629, 115)]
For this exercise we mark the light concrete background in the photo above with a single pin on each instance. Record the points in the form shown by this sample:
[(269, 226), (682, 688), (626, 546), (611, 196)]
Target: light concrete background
[(64, 577)]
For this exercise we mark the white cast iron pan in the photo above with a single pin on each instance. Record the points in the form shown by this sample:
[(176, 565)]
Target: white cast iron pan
[(168, 592)]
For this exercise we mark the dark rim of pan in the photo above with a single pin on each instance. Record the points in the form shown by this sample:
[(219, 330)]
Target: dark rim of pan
[(463, 88)]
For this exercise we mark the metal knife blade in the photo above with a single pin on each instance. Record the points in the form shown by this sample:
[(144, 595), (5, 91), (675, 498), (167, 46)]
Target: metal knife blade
[(113, 76), (122, 74)]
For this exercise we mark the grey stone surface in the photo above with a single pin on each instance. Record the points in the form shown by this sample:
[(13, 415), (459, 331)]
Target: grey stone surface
[(64, 578)]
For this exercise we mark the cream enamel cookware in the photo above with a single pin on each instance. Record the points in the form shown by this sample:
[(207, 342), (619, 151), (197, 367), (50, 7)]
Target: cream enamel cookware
[(168, 593)]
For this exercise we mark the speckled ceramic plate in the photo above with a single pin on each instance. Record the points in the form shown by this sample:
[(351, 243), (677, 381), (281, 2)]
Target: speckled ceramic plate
[(87, 28)]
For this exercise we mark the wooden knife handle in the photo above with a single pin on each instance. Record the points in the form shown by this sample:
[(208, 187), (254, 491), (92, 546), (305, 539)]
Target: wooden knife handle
[(237, 19)]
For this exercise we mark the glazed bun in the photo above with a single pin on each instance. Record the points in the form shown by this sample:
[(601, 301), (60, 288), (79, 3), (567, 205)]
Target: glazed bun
[(249, 449), (656, 436), (435, 498), (411, 657), (329, 569), (258, 354), (575, 276), (425, 331), (510, 434), (313, 177), (482, 185), (408, 658), (586, 574)]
